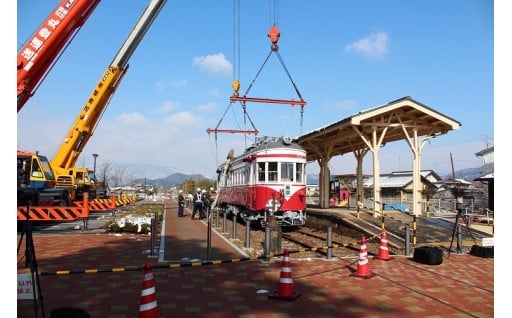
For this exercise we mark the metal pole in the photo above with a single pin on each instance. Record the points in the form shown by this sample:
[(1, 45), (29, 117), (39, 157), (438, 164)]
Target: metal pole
[(358, 201), (209, 238), (95, 155), (329, 242), (459, 239), (414, 230), (224, 222), (247, 233), (407, 240), (278, 239), (153, 236), (267, 243), (233, 232)]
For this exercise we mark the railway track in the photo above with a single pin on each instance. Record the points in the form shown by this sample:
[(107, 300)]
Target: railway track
[(310, 240), (317, 245)]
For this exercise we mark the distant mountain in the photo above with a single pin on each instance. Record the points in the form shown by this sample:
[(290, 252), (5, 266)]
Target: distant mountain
[(311, 179), (172, 180), (468, 174)]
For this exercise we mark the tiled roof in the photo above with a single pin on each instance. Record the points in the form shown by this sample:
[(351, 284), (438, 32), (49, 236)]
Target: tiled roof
[(397, 179)]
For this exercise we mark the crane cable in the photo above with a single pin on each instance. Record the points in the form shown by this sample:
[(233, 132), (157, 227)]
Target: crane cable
[(236, 40), (273, 11), (236, 61), (236, 68), (274, 37)]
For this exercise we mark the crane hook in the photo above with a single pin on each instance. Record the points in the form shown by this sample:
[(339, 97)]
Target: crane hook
[(274, 35)]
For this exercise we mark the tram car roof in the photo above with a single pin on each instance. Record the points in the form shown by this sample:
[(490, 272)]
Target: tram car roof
[(267, 143), (264, 143)]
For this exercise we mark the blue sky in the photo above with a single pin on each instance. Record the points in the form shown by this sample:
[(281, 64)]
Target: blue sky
[(343, 56)]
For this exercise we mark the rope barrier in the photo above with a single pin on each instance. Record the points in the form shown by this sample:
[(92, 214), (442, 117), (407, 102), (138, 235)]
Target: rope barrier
[(190, 264)]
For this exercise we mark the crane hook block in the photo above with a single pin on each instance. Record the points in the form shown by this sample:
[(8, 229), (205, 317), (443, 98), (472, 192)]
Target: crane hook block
[(236, 86), (274, 35)]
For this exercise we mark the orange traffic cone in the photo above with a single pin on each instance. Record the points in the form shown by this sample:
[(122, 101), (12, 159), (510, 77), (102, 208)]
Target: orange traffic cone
[(383, 249), (363, 267), (285, 290), (148, 305)]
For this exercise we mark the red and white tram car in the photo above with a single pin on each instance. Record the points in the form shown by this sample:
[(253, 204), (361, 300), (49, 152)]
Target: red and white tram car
[(269, 179)]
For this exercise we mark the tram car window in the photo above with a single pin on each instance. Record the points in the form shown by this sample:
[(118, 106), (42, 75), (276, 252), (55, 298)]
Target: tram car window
[(272, 171), (299, 177)]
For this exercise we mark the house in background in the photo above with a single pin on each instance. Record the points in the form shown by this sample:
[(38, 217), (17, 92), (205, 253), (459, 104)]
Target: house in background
[(397, 187), (397, 192), (488, 173)]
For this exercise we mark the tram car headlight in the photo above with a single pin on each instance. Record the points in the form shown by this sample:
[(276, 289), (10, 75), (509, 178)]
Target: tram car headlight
[(271, 204)]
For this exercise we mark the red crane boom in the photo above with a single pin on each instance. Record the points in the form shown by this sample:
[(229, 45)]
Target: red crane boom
[(40, 52)]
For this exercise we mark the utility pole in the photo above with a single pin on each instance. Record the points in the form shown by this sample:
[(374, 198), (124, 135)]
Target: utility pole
[(95, 155)]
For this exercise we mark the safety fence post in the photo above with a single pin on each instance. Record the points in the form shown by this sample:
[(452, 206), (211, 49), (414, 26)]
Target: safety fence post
[(224, 219), (278, 238), (329, 242), (85, 211), (233, 234), (153, 236), (267, 243), (407, 240), (247, 233)]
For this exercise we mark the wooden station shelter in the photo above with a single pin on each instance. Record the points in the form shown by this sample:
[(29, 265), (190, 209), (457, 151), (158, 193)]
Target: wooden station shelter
[(368, 131)]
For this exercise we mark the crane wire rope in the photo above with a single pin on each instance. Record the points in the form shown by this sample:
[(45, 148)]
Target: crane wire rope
[(274, 20), (236, 70), (273, 12)]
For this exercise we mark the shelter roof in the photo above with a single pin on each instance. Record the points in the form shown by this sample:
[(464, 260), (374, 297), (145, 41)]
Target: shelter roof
[(395, 118)]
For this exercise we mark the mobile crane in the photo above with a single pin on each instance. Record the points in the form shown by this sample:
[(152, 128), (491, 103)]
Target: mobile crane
[(36, 182), (50, 183), (65, 158), (46, 45)]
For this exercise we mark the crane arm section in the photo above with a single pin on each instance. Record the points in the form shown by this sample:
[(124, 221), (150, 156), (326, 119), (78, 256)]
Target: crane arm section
[(41, 51), (84, 125)]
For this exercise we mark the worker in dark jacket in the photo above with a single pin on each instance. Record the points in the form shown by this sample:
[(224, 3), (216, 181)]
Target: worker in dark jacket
[(181, 203), (198, 203), (206, 204)]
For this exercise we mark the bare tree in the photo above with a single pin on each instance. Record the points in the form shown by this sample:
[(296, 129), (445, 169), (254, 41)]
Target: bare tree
[(121, 176), (103, 172)]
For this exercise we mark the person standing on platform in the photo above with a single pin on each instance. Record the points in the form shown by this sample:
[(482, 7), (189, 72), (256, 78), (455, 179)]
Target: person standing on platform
[(211, 198), (198, 204), (206, 204), (181, 203)]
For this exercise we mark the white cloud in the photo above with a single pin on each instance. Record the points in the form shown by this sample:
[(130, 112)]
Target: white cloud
[(132, 119), (213, 64), (180, 120), (209, 107), (374, 46), (214, 93), (167, 107), (165, 83)]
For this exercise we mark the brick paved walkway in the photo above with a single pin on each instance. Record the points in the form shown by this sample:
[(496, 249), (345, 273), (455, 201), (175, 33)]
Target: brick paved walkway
[(463, 286)]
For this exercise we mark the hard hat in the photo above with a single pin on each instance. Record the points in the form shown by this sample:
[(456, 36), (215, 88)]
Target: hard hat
[(198, 189), (181, 191), (211, 189), (204, 191)]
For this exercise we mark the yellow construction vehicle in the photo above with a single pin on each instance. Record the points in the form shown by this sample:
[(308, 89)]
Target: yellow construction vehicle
[(65, 158)]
